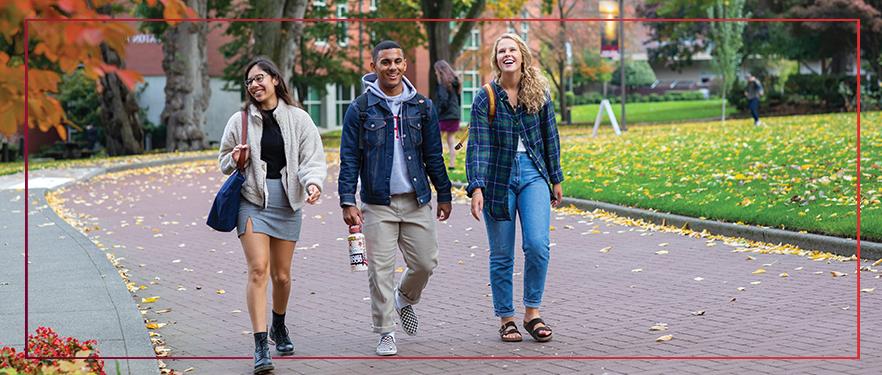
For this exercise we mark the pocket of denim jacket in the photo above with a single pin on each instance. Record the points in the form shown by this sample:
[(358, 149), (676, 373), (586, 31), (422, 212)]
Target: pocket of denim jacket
[(373, 132), (416, 131)]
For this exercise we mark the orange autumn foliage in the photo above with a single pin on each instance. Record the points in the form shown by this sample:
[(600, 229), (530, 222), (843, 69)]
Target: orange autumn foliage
[(58, 46)]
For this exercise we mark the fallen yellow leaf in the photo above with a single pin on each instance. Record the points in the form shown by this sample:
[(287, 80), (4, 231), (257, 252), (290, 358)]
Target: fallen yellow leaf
[(664, 338), (220, 291), (868, 290), (155, 325), (605, 249), (759, 271), (838, 274), (783, 274), (878, 262), (149, 299), (659, 327), (661, 252)]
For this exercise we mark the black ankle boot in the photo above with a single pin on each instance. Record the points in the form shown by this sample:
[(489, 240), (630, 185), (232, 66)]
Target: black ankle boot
[(263, 363), (279, 335)]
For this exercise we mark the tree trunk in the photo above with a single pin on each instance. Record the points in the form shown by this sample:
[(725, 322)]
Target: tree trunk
[(119, 111), (562, 65), (441, 46), (724, 102), (562, 93), (187, 89), (279, 40)]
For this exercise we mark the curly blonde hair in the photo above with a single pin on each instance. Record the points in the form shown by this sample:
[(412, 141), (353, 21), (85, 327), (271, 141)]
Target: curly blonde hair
[(533, 85)]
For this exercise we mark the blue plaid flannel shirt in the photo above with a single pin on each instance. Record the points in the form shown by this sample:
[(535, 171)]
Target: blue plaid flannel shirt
[(491, 148)]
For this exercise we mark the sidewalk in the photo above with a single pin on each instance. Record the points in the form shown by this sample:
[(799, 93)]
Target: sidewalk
[(601, 303), (72, 286)]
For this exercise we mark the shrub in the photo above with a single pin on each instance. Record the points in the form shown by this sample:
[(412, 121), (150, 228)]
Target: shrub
[(47, 343), (637, 73)]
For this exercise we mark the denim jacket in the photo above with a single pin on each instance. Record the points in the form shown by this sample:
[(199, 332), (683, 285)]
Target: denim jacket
[(373, 163)]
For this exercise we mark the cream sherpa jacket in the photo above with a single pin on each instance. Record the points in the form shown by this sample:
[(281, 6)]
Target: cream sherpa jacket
[(303, 152)]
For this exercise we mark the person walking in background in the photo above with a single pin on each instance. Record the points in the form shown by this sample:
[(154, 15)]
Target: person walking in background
[(513, 168), (285, 168), (448, 105), (754, 91), (391, 142)]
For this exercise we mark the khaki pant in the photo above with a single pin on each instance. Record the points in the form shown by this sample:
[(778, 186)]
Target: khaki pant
[(402, 224)]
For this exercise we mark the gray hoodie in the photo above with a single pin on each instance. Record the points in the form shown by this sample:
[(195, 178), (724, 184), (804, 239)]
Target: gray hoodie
[(399, 181)]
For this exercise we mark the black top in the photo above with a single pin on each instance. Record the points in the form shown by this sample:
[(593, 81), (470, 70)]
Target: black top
[(448, 101), (272, 146)]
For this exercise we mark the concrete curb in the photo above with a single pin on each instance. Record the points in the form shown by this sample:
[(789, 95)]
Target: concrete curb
[(809, 241)]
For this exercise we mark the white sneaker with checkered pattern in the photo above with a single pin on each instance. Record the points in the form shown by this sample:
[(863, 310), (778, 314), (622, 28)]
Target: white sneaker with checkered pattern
[(386, 345)]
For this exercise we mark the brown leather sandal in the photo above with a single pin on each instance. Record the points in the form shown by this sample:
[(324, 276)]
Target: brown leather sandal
[(541, 334), (508, 329)]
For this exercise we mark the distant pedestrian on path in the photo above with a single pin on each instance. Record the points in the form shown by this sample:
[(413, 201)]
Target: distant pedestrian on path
[(513, 163), (391, 142), (449, 94), (754, 91), (285, 167)]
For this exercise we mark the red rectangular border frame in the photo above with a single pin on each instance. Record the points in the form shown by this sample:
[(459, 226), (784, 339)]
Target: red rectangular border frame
[(856, 21)]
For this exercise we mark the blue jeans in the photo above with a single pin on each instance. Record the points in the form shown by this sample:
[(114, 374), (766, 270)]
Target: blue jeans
[(530, 200), (754, 108)]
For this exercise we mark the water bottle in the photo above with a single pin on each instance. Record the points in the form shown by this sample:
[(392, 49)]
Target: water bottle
[(357, 258)]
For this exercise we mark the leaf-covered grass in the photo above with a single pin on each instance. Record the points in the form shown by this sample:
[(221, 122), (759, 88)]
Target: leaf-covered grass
[(654, 112), (795, 173)]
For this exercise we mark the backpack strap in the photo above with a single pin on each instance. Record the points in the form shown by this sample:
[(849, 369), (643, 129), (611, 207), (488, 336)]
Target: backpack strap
[(491, 113), (423, 104), (361, 103), (491, 100)]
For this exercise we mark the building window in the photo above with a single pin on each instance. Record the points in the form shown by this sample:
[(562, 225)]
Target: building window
[(342, 27), (470, 87), (524, 31), (313, 104), (345, 95), (319, 6), (474, 39)]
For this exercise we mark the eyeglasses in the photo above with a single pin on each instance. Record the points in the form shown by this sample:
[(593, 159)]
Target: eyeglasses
[(257, 77)]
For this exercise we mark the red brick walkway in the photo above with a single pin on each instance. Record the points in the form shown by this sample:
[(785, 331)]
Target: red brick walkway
[(600, 303)]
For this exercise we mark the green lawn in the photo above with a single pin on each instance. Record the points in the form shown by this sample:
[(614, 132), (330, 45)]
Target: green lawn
[(654, 112), (795, 173)]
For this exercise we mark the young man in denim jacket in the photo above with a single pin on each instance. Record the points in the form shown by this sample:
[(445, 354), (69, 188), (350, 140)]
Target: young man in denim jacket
[(391, 141)]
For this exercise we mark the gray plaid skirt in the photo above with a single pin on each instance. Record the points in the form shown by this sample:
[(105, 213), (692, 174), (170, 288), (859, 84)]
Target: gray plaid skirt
[(277, 220)]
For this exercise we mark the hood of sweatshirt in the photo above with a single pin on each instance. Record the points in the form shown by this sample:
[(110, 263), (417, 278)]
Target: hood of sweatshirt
[(371, 84)]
